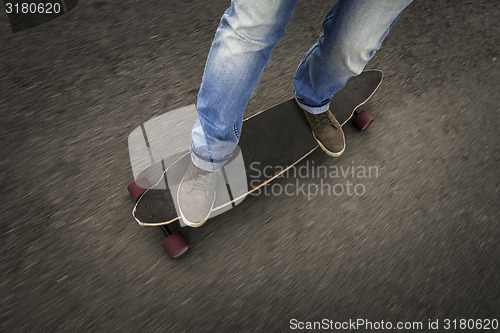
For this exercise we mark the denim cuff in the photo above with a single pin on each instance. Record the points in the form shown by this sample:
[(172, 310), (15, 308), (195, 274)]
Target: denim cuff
[(207, 164), (314, 109)]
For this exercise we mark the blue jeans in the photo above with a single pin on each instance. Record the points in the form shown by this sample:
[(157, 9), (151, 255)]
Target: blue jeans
[(353, 30)]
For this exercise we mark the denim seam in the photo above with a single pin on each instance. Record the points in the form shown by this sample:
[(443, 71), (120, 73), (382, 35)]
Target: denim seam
[(313, 106), (236, 132), (329, 17), (306, 56)]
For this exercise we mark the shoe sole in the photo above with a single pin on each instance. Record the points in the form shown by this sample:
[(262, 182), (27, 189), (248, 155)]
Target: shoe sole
[(328, 152), (186, 221)]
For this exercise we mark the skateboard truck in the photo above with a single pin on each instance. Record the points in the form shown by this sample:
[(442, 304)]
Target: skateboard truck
[(174, 243)]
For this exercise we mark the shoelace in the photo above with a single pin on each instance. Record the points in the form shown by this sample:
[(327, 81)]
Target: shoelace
[(323, 120), (201, 182)]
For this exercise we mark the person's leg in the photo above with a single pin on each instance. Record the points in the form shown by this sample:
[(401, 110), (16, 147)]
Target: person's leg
[(353, 31), (248, 33)]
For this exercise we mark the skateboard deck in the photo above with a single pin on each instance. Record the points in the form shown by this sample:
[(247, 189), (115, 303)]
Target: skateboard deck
[(357, 91), (276, 138)]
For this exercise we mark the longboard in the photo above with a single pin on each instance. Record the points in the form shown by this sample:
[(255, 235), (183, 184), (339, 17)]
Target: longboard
[(274, 139)]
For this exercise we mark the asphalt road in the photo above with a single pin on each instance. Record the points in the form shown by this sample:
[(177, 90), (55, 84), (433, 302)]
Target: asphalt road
[(421, 243)]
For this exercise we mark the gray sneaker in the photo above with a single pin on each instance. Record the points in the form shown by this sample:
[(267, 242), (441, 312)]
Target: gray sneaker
[(196, 195), (327, 131)]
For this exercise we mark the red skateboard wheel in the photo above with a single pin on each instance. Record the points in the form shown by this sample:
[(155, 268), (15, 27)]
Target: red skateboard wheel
[(362, 120), (175, 245), (137, 187)]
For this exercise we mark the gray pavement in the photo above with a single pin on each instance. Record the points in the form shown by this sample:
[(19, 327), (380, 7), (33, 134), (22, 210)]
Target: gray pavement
[(421, 243)]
